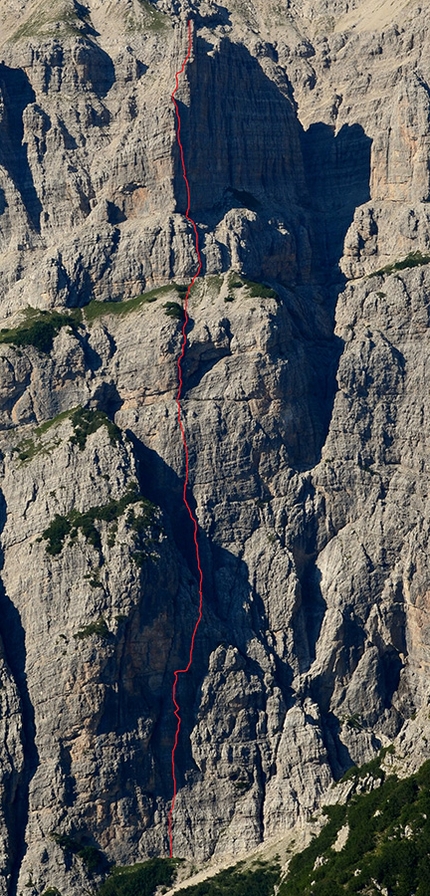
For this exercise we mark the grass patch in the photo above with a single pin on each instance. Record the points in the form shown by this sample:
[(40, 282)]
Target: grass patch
[(260, 291), (413, 260), (40, 328), (27, 449), (141, 879), (94, 309), (214, 283), (235, 282), (84, 422), (62, 526), (47, 424)]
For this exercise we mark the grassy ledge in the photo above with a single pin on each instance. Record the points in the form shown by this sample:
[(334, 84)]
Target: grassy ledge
[(413, 260), (39, 328), (84, 422), (254, 290), (94, 309)]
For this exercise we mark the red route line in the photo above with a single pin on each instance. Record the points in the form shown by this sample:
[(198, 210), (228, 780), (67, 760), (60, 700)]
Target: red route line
[(193, 519)]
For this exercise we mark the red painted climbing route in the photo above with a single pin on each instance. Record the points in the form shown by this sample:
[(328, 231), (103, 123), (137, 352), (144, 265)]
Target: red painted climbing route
[(178, 672)]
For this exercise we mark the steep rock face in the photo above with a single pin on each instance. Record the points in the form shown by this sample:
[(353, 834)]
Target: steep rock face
[(307, 434)]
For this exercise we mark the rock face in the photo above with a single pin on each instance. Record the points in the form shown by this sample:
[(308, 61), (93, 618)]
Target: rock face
[(306, 137)]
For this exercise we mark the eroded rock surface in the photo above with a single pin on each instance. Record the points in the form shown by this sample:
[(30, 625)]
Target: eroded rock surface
[(305, 404)]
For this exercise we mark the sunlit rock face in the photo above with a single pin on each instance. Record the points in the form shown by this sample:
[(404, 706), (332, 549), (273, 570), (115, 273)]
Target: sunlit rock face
[(305, 404)]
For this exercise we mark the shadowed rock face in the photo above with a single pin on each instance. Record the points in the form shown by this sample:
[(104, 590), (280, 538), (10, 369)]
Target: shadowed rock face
[(305, 410)]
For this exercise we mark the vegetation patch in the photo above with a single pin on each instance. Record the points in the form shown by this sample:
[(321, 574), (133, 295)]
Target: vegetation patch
[(151, 19), (92, 857), (253, 290), (413, 260), (214, 283), (40, 328), (354, 721), (62, 526), (94, 309), (259, 880), (98, 627), (56, 534), (59, 19), (98, 309), (86, 421), (235, 282), (174, 310), (141, 879), (373, 767), (387, 850), (28, 448), (259, 290)]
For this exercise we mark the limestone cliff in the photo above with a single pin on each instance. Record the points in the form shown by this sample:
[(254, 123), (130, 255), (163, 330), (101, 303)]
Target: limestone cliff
[(306, 405)]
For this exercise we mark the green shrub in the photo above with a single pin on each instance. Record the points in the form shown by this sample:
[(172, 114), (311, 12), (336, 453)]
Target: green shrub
[(259, 880), (235, 282), (354, 721), (173, 309), (259, 290), (26, 450), (141, 879), (56, 533), (373, 767), (39, 329), (92, 857), (68, 843), (51, 891), (98, 627), (61, 526), (86, 421), (414, 259), (377, 854)]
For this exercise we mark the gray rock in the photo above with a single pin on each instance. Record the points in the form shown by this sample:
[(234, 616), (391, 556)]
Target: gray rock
[(307, 435)]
